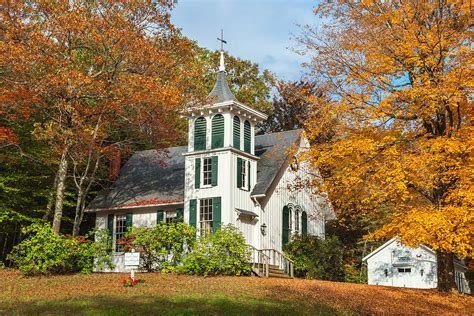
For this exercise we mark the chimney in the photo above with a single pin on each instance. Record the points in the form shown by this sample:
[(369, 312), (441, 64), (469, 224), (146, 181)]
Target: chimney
[(114, 165)]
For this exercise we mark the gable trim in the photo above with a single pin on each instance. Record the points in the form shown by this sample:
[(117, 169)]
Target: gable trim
[(92, 210)]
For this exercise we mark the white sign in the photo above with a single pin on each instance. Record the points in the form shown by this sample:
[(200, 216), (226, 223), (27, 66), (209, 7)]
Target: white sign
[(132, 259)]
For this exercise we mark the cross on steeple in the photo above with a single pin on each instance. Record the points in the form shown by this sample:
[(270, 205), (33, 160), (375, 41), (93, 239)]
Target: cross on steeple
[(221, 65), (222, 40)]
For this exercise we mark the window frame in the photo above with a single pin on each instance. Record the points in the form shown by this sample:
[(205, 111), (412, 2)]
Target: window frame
[(206, 219), (206, 172), (123, 220), (404, 270), (244, 175)]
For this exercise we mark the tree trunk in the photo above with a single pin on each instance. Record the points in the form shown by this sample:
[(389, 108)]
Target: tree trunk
[(61, 185), (445, 271), (49, 206), (79, 212)]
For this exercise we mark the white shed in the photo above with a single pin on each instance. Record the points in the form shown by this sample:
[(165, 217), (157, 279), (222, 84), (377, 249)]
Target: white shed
[(395, 264)]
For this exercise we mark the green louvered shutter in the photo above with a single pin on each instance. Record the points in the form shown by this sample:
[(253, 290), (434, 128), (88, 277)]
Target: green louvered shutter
[(236, 132), (214, 166), (217, 131), (248, 175), (129, 221), (192, 212), (110, 224), (304, 224), (247, 137), (239, 172), (286, 226), (197, 173), (216, 214), (179, 215), (159, 216), (200, 134)]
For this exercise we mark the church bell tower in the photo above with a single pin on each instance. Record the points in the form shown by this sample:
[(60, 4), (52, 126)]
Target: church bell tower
[(220, 164)]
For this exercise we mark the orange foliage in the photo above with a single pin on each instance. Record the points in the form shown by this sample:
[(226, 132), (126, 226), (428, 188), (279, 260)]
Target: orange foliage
[(400, 79)]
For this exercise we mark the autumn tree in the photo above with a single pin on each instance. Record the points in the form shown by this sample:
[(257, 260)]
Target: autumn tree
[(98, 75), (249, 84), (400, 81), (291, 105)]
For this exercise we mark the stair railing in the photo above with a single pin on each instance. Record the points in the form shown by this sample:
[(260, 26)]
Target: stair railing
[(260, 261), (279, 259)]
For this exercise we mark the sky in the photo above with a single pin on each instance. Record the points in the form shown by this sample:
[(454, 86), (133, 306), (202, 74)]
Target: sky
[(257, 30)]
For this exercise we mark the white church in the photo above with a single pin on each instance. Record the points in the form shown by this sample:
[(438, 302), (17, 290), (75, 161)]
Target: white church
[(225, 175)]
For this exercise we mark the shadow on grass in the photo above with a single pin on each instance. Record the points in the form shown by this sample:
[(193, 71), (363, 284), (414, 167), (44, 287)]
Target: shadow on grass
[(157, 305)]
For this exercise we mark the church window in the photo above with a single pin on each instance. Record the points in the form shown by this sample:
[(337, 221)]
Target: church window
[(297, 221), (404, 270), (290, 221), (236, 133), (205, 216), (217, 131), (243, 173), (207, 171), (200, 134), (247, 137)]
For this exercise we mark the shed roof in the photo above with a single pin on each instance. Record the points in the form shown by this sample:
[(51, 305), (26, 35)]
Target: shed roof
[(152, 178)]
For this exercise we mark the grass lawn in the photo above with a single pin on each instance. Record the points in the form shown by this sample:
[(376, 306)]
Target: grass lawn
[(171, 294)]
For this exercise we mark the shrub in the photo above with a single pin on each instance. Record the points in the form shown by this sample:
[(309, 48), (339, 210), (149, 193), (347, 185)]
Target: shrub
[(223, 253), (163, 246), (45, 252), (316, 258)]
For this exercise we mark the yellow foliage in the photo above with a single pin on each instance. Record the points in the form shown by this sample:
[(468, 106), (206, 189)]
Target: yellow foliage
[(400, 82)]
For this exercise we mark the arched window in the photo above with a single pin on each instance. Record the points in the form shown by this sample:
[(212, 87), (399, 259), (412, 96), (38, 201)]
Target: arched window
[(236, 133), (247, 137), (200, 134), (217, 131)]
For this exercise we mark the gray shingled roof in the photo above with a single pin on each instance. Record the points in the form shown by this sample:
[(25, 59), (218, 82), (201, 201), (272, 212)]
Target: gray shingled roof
[(149, 178), (221, 91), (273, 152)]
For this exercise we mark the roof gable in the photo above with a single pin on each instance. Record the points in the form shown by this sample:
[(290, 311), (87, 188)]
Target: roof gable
[(150, 178)]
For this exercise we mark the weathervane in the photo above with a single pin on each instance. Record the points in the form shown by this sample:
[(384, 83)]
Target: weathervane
[(222, 40), (221, 65)]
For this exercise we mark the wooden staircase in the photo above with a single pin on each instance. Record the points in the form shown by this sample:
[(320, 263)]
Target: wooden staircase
[(270, 263)]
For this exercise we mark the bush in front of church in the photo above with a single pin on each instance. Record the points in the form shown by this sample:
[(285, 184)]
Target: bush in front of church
[(45, 252), (224, 252), (162, 247), (316, 258)]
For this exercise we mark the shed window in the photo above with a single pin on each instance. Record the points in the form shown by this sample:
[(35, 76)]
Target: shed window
[(217, 131), (200, 134)]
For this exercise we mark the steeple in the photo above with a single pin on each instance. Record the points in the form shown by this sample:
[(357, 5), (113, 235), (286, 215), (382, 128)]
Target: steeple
[(221, 91)]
